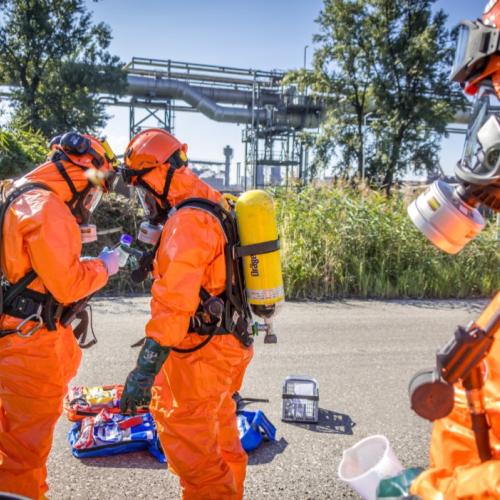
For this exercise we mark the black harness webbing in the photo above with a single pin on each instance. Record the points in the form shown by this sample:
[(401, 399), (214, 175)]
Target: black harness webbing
[(66, 177), (236, 314), (257, 248)]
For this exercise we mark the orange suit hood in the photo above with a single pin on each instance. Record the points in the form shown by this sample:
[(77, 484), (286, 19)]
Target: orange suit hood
[(48, 175), (185, 184)]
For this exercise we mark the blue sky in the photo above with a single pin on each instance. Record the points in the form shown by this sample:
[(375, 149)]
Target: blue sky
[(260, 34)]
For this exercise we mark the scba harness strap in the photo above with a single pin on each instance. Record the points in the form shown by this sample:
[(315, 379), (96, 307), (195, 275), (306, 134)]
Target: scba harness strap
[(228, 313), (235, 316), (19, 301)]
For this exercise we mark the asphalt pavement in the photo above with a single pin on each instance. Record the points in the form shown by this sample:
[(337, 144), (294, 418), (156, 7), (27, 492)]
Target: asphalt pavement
[(362, 353)]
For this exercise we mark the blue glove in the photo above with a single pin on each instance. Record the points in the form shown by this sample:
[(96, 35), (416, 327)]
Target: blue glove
[(111, 259)]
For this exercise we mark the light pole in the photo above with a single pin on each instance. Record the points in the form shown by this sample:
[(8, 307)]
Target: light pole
[(305, 64), (365, 119)]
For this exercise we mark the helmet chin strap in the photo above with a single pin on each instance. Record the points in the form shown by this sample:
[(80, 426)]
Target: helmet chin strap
[(76, 202), (166, 187), (176, 161)]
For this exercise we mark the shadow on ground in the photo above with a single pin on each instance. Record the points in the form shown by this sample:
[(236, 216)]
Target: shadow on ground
[(134, 460), (330, 422), (266, 452), (142, 460), (471, 305)]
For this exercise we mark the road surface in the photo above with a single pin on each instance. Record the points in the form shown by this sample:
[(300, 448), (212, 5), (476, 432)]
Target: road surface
[(363, 354)]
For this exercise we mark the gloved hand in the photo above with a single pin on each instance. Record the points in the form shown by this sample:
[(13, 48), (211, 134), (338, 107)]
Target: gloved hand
[(137, 390), (111, 259)]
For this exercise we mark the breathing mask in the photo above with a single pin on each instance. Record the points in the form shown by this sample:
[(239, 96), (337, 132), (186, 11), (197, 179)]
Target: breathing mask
[(149, 233), (150, 229), (88, 205), (152, 209), (448, 214), (155, 204), (82, 204)]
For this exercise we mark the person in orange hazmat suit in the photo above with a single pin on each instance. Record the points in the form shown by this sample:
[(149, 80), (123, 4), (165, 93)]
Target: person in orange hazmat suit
[(192, 399), (456, 471), (43, 275)]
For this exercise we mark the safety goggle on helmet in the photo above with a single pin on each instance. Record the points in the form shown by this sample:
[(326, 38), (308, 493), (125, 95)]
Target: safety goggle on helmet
[(477, 42)]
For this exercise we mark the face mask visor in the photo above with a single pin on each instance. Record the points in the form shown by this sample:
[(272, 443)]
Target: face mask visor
[(145, 201), (480, 162), (148, 203), (83, 210), (150, 229), (482, 166), (91, 200), (478, 117)]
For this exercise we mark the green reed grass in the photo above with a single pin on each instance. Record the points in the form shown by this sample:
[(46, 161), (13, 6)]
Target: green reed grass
[(345, 242), (350, 242)]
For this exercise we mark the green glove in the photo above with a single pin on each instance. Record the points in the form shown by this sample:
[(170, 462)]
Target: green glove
[(137, 390), (398, 487)]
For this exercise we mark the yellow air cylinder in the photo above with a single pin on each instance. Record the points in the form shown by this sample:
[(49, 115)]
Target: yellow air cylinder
[(256, 220)]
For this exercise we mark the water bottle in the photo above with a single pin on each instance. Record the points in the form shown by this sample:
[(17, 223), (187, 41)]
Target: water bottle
[(125, 242)]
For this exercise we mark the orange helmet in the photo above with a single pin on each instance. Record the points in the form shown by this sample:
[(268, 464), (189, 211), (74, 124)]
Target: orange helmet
[(88, 153), (150, 161), (88, 167), (151, 148)]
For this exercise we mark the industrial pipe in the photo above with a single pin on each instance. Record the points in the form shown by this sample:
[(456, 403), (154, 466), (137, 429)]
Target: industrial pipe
[(198, 98)]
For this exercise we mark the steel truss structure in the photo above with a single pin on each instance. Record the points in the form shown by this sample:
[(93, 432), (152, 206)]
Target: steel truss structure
[(271, 113)]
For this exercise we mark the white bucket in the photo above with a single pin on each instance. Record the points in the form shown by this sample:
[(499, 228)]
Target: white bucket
[(366, 463)]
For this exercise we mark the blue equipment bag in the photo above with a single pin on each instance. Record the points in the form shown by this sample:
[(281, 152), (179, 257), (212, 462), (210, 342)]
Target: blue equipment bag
[(254, 427), (112, 434)]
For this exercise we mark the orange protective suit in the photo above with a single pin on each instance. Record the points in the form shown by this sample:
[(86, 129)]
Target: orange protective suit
[(192, 403), (40, 233), (456, 471)]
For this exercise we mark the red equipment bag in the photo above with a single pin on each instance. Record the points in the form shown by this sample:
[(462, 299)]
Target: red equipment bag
[(82, 401)]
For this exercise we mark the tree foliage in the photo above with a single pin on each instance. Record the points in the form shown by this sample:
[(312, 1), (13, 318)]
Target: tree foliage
[(383, 67), (20, 151), (58, 61)]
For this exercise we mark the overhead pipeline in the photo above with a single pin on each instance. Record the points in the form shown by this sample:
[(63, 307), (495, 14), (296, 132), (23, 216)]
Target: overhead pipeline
[(205, 100)]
